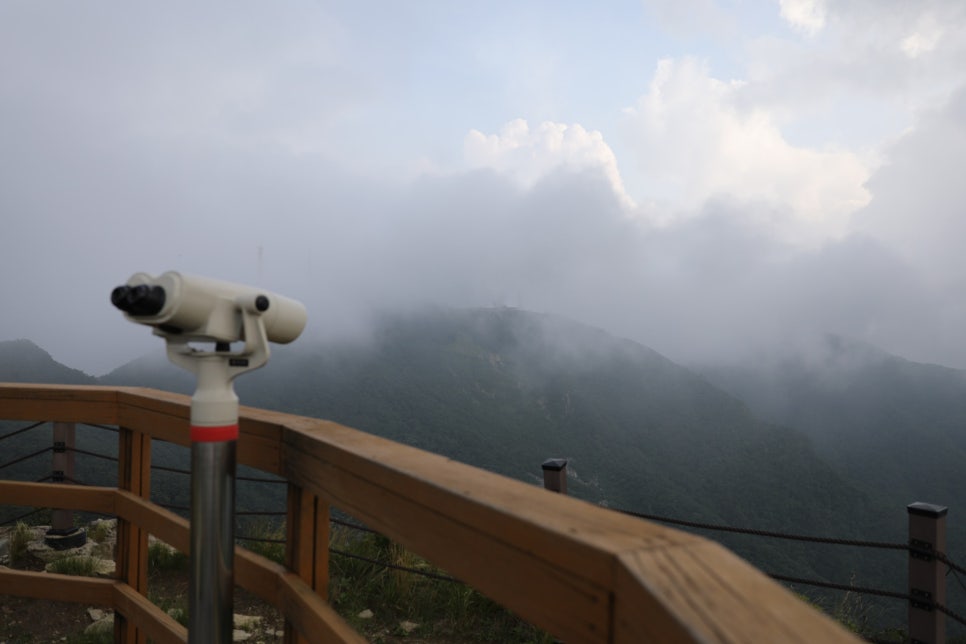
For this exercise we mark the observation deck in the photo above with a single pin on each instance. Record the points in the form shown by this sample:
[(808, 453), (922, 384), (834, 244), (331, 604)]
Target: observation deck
[(580, 572)]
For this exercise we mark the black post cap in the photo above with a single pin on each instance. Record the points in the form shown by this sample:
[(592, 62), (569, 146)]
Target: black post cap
[(554, 464), (927, 509)]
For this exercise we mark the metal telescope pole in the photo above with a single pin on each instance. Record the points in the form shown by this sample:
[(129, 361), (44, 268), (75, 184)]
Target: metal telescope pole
[(214, 436)]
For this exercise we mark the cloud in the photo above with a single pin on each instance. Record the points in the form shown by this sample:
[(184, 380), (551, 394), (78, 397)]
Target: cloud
[(527, 155), (873, 65), (807, 16), (919, 193), (220, 145), (694, 141), (924, 38)]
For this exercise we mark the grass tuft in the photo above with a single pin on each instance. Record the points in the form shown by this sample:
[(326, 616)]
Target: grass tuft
[(99, 530), (161, 556), (98, 637), (19, 540), (270, 531), (176, 607), (81, 566)]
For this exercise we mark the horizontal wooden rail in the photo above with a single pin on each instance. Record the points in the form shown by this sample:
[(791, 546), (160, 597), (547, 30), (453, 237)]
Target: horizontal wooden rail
[(59, 403), (56, 587), (156, 624), (579, 571), (160, 626), (58, 495)]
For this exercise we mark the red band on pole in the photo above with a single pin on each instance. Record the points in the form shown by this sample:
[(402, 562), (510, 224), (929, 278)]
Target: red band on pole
[(214, 434)]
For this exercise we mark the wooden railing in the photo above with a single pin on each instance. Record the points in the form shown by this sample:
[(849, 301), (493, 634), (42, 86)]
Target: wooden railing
[(583, 573)]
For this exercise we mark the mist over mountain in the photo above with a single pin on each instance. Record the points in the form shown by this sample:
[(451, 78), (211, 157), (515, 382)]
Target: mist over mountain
[(894, 427), (505, 389)]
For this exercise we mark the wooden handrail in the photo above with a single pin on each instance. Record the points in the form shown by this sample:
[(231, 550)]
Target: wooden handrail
[(581, 572)]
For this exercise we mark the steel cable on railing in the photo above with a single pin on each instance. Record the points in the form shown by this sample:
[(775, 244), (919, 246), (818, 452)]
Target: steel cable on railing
[(354, 526), (255, 479), (277, 514), (824, 540), (24, 458), (948, 611), (692, 524), (164, 468), (767, 533), (941, 556), (386, 564), (96, 426), (22, 430), (259, 539), (22, 516), (866, 591), (78, 450), (42, 479), (956, 577), (846, 587), (252, 479)]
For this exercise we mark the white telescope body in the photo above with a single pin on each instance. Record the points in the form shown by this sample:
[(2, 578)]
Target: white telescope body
[(183, 309), (200, 308)]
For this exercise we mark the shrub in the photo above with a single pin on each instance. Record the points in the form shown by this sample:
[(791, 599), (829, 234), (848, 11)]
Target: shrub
[(19, 539), (81, 566), (97, 637), (99, 531), (176, 607), (161, 556)]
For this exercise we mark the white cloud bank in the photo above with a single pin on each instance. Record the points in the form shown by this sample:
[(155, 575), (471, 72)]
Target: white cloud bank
[(245, 179), (528, 155), (695, 142)]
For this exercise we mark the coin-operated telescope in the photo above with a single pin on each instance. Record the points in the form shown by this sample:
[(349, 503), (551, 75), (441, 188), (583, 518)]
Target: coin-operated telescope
[(189, 311)]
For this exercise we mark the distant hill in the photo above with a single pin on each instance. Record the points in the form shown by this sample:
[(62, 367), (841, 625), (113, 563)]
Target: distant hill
[(24, 361), (894, 427)]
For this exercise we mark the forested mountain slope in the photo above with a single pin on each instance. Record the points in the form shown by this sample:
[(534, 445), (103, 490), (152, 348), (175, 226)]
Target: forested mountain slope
[(504, 389), (894, 427)]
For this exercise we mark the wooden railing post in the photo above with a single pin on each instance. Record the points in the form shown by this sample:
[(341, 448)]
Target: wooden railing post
[(927, 581), (306, 546), (555, 475), (63, 534), (131, 556)]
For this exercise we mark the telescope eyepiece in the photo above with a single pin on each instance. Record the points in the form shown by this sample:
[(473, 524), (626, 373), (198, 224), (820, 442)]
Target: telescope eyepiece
[(139, 300)]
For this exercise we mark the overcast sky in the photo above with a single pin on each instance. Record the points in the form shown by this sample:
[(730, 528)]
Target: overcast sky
[(706, 177)]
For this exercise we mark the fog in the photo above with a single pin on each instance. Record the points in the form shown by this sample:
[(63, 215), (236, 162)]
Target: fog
[(283, 149)]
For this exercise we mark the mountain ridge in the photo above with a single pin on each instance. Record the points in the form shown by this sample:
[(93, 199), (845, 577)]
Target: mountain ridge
[(504, 389), (23, 361)]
